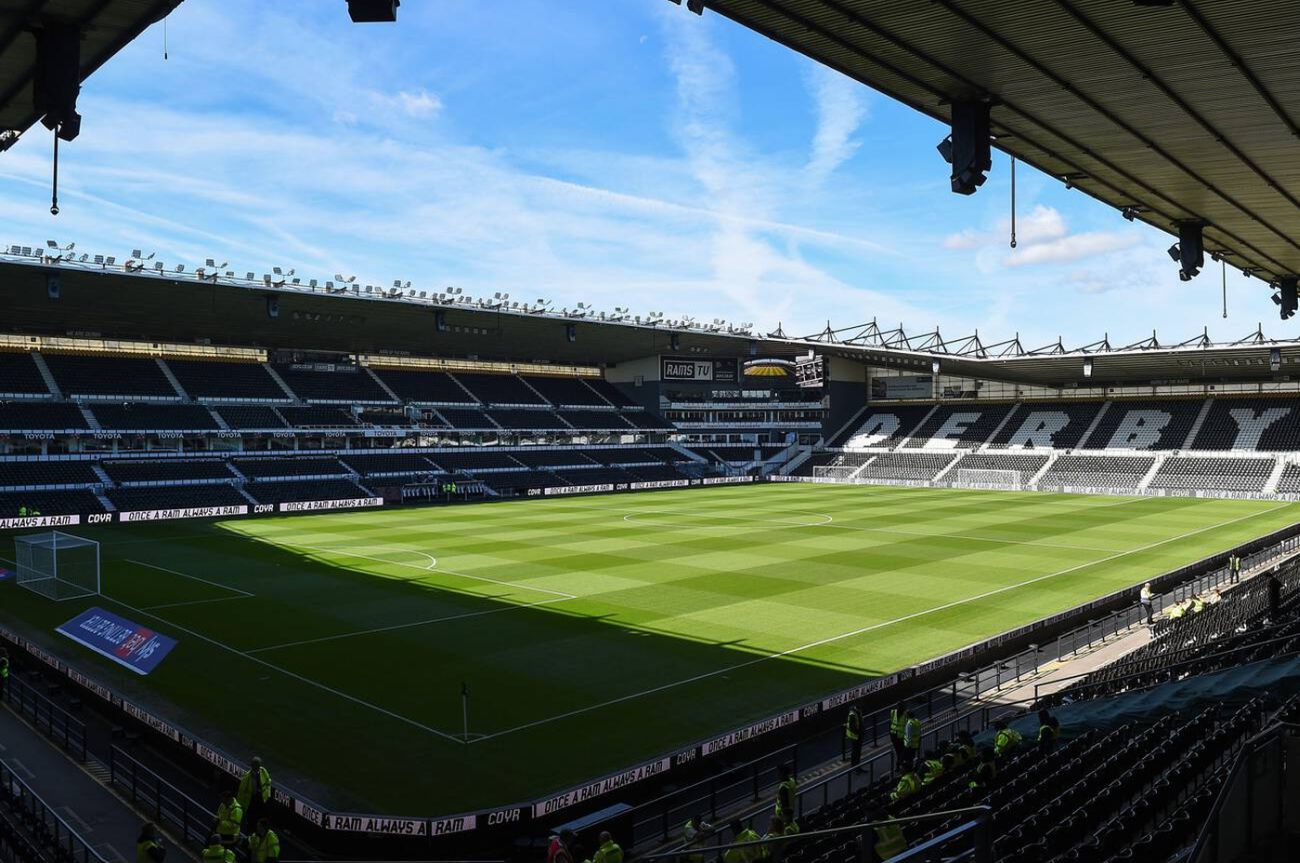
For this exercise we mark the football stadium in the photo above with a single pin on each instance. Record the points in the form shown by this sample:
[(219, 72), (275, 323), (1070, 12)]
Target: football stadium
[(303, 568)]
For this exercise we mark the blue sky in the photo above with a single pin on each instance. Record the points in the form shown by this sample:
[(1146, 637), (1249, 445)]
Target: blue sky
[(618, 152)]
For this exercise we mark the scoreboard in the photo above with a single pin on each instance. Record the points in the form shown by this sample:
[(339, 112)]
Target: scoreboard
[(810, 370)]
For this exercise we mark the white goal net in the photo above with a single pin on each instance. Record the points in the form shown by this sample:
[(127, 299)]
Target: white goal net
[(58, 565), (988, 478)]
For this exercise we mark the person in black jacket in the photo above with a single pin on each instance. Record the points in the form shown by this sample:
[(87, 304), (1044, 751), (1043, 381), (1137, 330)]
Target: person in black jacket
[(1274, 594)]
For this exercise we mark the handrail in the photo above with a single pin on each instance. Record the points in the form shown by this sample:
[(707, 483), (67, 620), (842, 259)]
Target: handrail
[(58, 833), (1165, 668), (1209, 827), (164, 802), (981, 811), (56, 723)]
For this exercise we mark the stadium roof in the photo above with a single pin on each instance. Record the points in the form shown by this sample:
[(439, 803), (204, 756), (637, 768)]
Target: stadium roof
[(103, 299), (107, 26), (1183, 109)]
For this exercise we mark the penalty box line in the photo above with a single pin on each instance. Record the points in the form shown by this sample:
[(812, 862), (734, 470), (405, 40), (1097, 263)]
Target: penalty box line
[(238, 594), (875, 626)]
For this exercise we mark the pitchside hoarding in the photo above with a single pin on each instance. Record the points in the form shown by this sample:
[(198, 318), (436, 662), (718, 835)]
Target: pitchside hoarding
[(125, 642)]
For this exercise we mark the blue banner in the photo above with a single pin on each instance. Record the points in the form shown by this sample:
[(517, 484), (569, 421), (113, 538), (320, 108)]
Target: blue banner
[(5, 574), (128, 644)]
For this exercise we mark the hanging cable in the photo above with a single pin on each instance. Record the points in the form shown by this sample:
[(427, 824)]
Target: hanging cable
[(165, 36), (54, 193), (1224, 263), (1013, 202)]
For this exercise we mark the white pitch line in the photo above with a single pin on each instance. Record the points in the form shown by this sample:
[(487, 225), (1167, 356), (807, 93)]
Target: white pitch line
[(514, 584), (871, 628), (307, 680), (242, 593), (633, 518), (399, 626), (196, 602)]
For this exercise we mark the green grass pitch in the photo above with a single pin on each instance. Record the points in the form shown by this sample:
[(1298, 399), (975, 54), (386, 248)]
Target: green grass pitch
[(594, 633)]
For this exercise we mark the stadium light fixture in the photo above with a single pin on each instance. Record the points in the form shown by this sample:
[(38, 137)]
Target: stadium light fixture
[(1130, 212)]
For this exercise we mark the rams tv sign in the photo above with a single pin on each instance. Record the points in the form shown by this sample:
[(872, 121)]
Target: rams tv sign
[(708, 371)]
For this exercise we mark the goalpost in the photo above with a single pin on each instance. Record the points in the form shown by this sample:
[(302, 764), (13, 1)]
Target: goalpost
[(58, 565), (988, 478)]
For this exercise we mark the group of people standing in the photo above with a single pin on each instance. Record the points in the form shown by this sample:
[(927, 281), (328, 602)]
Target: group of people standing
[(245, 805)]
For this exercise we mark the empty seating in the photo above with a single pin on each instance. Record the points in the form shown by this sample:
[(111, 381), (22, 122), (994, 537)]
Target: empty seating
[(166, 471), (1219, 474), (381, 417), (636, 455), (48, 503), (249, 417), (349, 384), (272, 467), (912, 466), (39, 416), (119, 377), (1046, 425), (515, 482), (1289, 482), (144, 498), (523, 420), (1145, 424), (1095, 471), (467, 459), (960, 426), (596, 420), (611, 393), (317, 417), (434, 388), (1250, 424), (47, 473), (552, 458), (566, 392), (499, 389), (1027, 465), (20, 376), (653, 473), (387, 464), (294, 491), (462, 419), (145, 416), (882, 426), (206, 379), (595, 476)]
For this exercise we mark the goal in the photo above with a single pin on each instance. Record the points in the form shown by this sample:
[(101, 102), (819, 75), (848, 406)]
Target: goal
[(988, 478), (58, 565)]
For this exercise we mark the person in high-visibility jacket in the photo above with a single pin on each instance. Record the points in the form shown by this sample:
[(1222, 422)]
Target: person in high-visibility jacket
[(890, 841), (4, 673), (853, 736), (936, 766), (908, 784), (739, 834), (609, 850), (911, 741), (1006, 738), (786, 793), (1175, 611), (254, 791), (986, 771), (963, 749), (229, 816), (215, 852), (263, 844), (897, 719), (148, 845), (693, 834), (772, 849), (1049, 731), (1198, 604)]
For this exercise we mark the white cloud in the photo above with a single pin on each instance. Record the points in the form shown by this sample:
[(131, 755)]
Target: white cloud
[(841, 107), (1069, 248), (420, 103)]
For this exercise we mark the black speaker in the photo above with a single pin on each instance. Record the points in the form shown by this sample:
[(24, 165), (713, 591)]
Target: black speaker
[(440, 322), (273, 306), (373, 11), (53, 286), (571, 332), (675, 342), (57, 78), (968, 147)]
